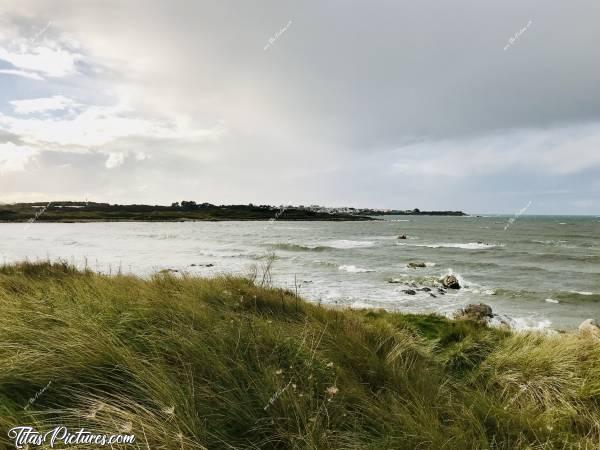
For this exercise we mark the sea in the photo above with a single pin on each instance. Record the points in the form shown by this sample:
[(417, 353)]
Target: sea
[(539, 272)]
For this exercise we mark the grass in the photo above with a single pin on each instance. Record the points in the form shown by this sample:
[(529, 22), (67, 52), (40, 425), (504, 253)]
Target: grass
[(189, 363)]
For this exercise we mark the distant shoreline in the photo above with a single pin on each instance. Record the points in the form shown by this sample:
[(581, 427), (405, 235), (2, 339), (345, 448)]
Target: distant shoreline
[(83, 212)]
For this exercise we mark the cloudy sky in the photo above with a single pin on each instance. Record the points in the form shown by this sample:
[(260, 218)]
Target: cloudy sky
[(479, 106)]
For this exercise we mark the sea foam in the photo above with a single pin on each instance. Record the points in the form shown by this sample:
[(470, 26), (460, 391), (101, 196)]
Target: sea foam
[(345, 243), (463, 246), (354, 269)]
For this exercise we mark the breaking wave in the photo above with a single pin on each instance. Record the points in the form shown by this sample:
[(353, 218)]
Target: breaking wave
[(354, 269), (345, 243), (463, 246)]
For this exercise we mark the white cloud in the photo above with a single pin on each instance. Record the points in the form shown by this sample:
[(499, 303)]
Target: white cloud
[(14, 157), (22, 73), (99, 125), (34, 105), (52, 62), (114, 160)]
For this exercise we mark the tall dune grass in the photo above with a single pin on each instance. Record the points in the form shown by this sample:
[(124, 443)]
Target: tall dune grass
[(191, 363)]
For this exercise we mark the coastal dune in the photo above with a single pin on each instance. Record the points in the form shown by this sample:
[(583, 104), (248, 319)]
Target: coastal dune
[(231, 362)]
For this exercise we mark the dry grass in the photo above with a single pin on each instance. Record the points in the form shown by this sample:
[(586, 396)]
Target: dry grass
[(188, 363)]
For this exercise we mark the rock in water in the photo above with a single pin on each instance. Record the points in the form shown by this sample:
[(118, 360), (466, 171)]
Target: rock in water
[(451, 282), (589, 328), (415, 265), (478, 313), (409, 292), (402, 236)]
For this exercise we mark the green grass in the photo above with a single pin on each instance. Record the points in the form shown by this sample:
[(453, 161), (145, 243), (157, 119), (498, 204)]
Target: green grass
[(225, 363)]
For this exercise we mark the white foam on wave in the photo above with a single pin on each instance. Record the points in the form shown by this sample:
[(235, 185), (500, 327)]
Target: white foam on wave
[(522, 323), (463, 246), (551, 300), (582, 292), (383, 238), (483, 291), (528, 324), (354, 269), (345, 243)]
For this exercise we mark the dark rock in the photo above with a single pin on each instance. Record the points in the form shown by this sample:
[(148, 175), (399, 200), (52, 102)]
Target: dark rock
[(478, 313), (409, 292), (402, 236), (450, 282), (433, 295), (415, 265), (425, 289)]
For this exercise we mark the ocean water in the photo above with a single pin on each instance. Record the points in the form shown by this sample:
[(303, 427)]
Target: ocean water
[(542, 271)]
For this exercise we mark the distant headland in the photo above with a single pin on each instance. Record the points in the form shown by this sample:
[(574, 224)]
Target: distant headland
[(68, 211)]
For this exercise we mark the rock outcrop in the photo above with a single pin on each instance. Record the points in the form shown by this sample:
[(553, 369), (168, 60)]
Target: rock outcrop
[(450, 282), (416, 265), (478, 313)]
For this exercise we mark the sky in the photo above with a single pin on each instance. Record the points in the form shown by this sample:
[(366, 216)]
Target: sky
[(465, 105)]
